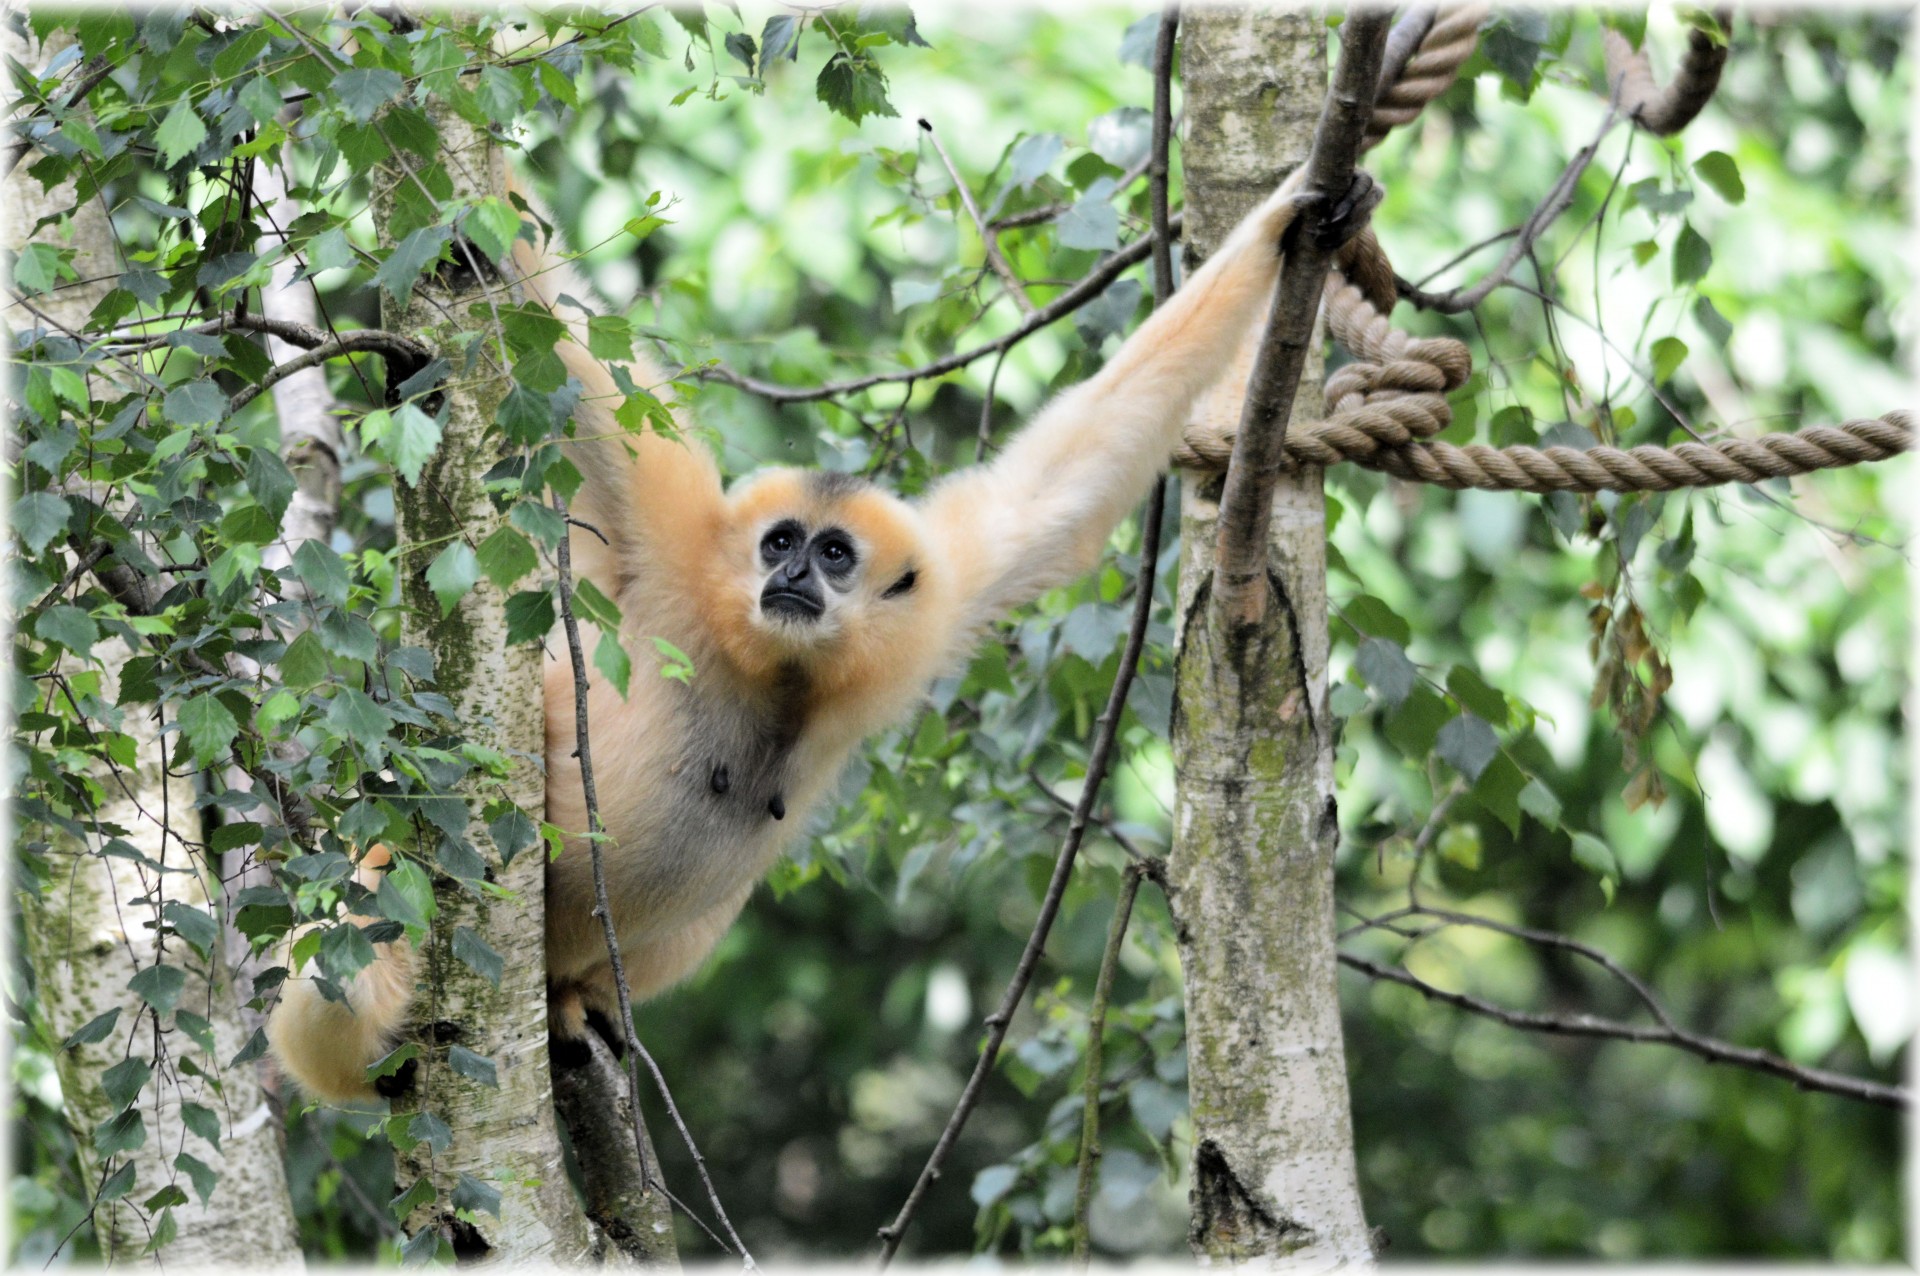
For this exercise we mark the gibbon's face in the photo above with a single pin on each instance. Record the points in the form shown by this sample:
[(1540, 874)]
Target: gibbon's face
[(832, 559)]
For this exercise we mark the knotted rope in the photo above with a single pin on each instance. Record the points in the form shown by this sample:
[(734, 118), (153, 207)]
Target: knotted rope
[(1385, 405)]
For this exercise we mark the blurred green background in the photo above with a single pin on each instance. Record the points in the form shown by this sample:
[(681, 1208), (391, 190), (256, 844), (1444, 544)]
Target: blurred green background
[(817, 1055)]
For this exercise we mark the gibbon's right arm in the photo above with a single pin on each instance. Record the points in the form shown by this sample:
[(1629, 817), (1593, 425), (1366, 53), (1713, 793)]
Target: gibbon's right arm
[(1038, 514)]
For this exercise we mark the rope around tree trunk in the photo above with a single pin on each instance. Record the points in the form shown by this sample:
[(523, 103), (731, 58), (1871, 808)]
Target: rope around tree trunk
[(1392, 399), (1387, 404)]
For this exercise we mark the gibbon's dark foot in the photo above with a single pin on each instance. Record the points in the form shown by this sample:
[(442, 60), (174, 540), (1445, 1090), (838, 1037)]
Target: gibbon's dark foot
[(566, 1053), (399, 1082), (1345, 217), (610, 1033)]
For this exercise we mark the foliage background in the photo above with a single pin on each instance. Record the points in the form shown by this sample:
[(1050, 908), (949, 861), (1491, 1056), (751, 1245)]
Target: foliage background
[(818, 1054)]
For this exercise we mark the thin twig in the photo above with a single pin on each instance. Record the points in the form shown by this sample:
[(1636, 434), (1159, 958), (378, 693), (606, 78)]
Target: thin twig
[(1086, 291), (403, 356), (1240, 591), (1096, 1032), (996, 260), (603, 909), (1708, 1048), (1556, 201), (1098, 759)]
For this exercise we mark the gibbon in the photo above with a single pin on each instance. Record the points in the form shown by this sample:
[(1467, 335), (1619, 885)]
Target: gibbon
[(816, 608)]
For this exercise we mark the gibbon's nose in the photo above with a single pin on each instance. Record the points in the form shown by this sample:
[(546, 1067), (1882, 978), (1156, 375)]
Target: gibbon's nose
[(797, 568)]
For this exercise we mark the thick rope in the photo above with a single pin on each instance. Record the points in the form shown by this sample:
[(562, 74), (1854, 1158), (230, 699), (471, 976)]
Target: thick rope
[(1406, 88), (1392, 399), (1665, 111)]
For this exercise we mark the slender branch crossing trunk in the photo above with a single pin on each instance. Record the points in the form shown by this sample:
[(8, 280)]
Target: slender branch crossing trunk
[(1254, 820), (504, 1133), (96, 925)]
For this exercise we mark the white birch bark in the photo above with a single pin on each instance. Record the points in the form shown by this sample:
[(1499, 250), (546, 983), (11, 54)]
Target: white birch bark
[(1274, 1181), (97, 925), (504, 1135)]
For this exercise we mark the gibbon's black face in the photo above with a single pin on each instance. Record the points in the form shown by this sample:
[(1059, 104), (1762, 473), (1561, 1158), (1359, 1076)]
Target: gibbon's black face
[(803, 563)]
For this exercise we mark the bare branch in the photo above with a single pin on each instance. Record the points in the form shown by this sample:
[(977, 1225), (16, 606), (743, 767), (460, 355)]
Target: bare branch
[(1081, 294), (1098, 759), (1665, 111), (603, 909), (1708, 1048), (1260, 449), (1556, 201), (996, 260)]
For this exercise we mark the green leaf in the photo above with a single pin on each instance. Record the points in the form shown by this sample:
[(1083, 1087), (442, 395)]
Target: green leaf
[(525, 416), (452, 575), (69, 626), (431, 1130), (117, 1134), (345, 951), (854, 86), (421, 1193), (611, 659), (208, 726), (512, 831), (1541, 803), (1386, 668), (506, 556), (203, 1175), (1466, 685), (674, 663), (389, 1064), (742, 47), (1460, 844), (38, 517), (192, 925), (1468, 744), (780, 38), (1717, 169), (179, 135), (94, 1029), (474, 952), (412, 441), (123, 1082), (195, 403), (409, 258), (542, 522), (475, 1197), (1711, 321), (322, 572), (474, 1067), (1668, 354), (159, 987), (119, 1183), (354, 715), (202, 1120), (305, 663), (610, 337), (492, 224), (1692, 256), (406, 896), (1597, 857), (364, 90), (529, 616)]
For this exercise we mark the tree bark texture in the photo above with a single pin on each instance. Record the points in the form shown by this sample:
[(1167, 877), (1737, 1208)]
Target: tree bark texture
[(632, 1224), (1255, 828), (503, 1135), (97, 925)]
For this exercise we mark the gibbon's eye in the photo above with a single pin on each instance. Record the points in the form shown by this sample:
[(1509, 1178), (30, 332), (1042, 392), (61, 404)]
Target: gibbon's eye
[(779, 542), (837, 554)]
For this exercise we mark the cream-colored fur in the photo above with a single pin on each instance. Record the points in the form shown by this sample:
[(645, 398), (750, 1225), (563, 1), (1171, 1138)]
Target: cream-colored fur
[(779, 707)]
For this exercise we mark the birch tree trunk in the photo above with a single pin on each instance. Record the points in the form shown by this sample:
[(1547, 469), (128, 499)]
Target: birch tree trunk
[(1254, 819), (503, 1134), (98, 923)]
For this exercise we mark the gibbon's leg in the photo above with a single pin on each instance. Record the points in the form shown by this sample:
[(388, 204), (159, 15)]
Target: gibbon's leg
[(653, 965), (1037, 515)]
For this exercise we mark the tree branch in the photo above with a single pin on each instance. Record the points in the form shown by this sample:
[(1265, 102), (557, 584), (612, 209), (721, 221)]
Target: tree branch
[(603, 909), (996, 260), (1260, 448), (1557, 200), (1081, 294), (1582, 1025), (1098, 759), (404, 356)]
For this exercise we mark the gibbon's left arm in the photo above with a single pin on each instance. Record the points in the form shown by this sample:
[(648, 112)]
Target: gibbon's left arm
[(1037, 515)]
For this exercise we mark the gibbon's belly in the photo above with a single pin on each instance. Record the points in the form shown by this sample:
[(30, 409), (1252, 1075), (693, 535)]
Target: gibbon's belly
[(698, 796)]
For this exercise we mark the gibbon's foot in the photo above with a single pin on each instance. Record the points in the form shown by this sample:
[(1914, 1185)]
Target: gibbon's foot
[(1345, 217), (610, 1033), (567, 1053)]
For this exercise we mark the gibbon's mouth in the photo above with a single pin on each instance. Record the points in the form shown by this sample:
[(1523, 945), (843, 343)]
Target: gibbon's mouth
[(792, 604)]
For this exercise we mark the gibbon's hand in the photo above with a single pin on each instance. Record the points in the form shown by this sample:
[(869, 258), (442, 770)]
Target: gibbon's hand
[(1342, 220)]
